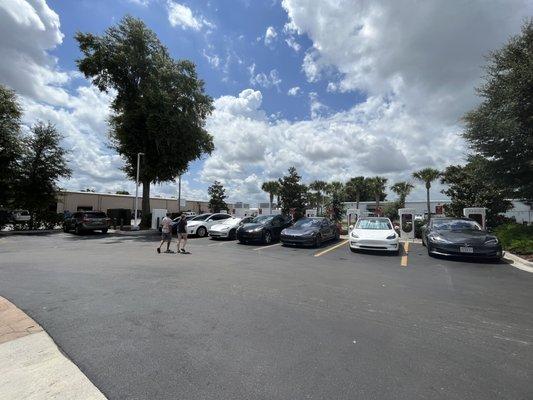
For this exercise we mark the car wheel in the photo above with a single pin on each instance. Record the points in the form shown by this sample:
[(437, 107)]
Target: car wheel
[(104, 231), (232, 234), (423, 242), (318, 241), (337, 235), (77, 230), (429, 251), (267, 237), (65, 229), (202, 232)]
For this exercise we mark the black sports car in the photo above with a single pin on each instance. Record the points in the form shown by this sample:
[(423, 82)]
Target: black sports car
[(459, 237), (264, 228), (310, 232)]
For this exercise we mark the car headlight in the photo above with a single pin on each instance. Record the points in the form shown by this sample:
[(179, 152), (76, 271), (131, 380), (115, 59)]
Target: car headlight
[(256, 229), (437, 239), (354, 235), (492, 241), (225, 228), (392, 236)]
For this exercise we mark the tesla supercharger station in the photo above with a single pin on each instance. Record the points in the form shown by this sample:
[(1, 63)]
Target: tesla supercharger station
[(157, 216), (352, 215), (407, 228), (478, 214)]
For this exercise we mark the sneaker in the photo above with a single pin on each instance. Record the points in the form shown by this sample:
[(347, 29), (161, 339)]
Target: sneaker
[(183, 251), (158, 250)]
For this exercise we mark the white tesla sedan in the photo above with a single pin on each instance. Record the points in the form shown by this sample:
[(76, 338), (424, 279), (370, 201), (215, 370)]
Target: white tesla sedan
[(227, 229), (374, 233), (200, 224)]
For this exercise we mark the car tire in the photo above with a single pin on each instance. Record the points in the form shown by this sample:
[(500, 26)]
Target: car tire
[(429, 251), (104, 231), (232, 235), (318, 241), (77, 230), (201, 232), (65, 229), (267, 237), (423, 242)]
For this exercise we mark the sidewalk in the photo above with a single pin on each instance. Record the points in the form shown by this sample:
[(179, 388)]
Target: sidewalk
[(31, 365)]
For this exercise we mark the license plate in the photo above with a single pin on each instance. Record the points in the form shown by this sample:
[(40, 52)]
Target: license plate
[(466, 249)]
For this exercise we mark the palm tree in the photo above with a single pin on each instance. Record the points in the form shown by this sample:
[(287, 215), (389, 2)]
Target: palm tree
[(357, 185), (427, 175), (319, 187), (272, 188), (402, 189), (376, 185)]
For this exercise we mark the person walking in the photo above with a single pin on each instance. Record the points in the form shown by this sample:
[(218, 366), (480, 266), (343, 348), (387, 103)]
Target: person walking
[(182, 233), (166, 233)]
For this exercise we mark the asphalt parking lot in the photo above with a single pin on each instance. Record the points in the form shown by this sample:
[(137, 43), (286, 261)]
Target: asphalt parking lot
[(233, 321)]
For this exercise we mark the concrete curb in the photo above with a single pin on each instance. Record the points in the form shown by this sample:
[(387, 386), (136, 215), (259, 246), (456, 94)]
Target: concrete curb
[(32, 366), (33, 232), (518, 262)]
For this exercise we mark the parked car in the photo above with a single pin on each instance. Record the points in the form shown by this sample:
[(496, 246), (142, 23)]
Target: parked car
[(200, 224), (374, 233), (84, 221), (227, 229), (310, 232), (459, 237), (263, 228), (20, 215)]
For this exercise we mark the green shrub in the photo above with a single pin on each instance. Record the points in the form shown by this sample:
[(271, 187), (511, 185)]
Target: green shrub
[(516, 238)]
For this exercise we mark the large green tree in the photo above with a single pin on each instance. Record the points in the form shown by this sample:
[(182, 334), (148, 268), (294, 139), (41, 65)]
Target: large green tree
[(42, 164), (293, 193), (10, 143), (357, 189), (427, 175), (377, 186), (160, 106), (272, 188), (319, 187), (402, 189), (501, 127), (470, 186), (218, 196)]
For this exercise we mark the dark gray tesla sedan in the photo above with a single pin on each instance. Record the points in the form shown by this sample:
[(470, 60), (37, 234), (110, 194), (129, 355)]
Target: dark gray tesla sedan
[(463, 237)]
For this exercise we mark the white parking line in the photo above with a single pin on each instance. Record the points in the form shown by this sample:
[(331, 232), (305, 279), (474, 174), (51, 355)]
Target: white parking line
[(266, 247), (220, 243)]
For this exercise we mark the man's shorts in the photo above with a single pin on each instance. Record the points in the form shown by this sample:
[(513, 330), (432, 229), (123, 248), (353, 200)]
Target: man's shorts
[(182, 235), (166, 237)]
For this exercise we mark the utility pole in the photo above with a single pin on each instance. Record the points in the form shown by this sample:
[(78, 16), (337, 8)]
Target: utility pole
[(135, 224)]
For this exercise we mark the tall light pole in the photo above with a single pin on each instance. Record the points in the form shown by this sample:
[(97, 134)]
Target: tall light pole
[(135, 225), (179, 193)]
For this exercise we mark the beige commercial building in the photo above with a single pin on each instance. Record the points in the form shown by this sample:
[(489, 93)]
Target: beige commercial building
[(77, 201)]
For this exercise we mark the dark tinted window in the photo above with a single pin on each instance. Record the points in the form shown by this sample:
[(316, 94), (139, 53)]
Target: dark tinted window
[(307, 223), (95, 215), (455, 225), (202, 217), (263, 219)]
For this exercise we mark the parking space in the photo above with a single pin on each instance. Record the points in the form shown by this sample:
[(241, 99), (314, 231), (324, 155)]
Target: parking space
[(249, 321)]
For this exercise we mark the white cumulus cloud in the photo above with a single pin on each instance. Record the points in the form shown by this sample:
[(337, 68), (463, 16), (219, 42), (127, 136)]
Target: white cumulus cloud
[(270, 35), (180, 15)]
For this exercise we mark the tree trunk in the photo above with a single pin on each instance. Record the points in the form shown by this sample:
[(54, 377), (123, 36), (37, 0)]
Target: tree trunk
[(357, 196), (377, 205), (429, 206), (318, 203), (271, 201), (146, 201)]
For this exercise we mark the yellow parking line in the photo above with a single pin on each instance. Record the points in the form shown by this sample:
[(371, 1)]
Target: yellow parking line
[(405, 254), (266, 247), (331, 248)]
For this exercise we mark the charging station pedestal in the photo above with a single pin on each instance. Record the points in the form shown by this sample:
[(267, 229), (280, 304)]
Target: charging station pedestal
[(352, 215), (478, 214), (407, 223)]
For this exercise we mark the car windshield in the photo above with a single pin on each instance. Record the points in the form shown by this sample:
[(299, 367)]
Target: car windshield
[(374, 224), (307, 223), (455, 225), (95, 215), (262, 219), (202, 217)]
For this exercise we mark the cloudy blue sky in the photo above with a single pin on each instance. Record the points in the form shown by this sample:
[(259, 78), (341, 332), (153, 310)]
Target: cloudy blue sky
[(337, 88)]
